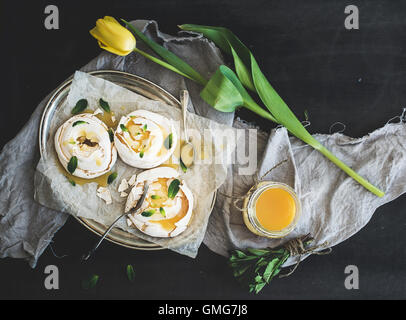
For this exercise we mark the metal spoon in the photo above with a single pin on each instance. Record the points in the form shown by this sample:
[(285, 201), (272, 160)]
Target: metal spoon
[(137, 207), (187, 151)]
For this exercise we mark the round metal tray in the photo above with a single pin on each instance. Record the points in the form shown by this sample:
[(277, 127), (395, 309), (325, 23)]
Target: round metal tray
[(130, 82)]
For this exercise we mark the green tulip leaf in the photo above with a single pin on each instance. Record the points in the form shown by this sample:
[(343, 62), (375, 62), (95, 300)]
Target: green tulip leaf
[(224, 92), (242, 71), (230, 44), (168, 56), (221, 93), (278, 107), (280, 112)]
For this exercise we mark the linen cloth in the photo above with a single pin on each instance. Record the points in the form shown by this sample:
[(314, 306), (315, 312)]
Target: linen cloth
[(334, 207)]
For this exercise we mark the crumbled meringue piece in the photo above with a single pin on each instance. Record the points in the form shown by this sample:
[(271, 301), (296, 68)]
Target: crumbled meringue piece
[(123, 185), (129, 223), (123, 194), (132, 180), (104, 193)]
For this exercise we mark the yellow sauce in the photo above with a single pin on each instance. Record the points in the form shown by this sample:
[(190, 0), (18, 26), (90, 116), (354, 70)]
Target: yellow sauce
[(169, 224), (162, 194), (275, 209), (101, 181), (106, 117)]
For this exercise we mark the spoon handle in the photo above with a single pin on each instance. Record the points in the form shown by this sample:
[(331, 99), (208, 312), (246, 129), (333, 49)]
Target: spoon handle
[(184, 100), (137, 207), (90, 253)]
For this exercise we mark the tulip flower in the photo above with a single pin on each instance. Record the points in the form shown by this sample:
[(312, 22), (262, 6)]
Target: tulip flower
[(113, 37)]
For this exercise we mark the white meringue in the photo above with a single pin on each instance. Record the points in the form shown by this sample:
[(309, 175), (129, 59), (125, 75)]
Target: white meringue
[(131, 182), (87, 138), (167, 217), (104, 193), (123, 185), (142, 139)]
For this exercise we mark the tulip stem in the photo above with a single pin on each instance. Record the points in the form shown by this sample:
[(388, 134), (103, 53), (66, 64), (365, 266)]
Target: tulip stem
[(161, 63), (251, 105)]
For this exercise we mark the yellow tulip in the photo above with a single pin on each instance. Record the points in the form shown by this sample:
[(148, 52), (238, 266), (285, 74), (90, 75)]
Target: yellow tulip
[(113, 37)]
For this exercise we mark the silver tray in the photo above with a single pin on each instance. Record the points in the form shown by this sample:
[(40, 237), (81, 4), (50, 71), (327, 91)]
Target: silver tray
[(131, 82)]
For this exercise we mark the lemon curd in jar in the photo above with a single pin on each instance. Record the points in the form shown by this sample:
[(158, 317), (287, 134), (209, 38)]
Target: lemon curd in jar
[(272, 210)]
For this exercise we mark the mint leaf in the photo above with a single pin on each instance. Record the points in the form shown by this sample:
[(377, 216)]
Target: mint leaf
[(148, 213), (130, 273), (173, 188), (78, 122), (104, 105), (80, 106), (91, 282), (182, 165), (73, 183), (112, 177), (111, 135), (72, 165), (123, 127), (168, 141)]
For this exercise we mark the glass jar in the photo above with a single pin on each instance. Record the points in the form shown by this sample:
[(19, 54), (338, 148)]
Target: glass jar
[(250, 216)]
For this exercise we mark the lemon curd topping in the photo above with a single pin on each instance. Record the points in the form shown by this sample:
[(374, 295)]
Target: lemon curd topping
[(272, 210), (275, 209)]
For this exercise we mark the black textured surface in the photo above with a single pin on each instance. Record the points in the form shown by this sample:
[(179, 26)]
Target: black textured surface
[(356, 77)]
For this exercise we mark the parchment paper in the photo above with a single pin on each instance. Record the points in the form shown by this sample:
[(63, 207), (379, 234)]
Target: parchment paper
[(53, 190)]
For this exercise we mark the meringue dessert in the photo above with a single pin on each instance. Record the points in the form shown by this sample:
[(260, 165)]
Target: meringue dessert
[(168, 205), (145, 139), (85, 139)]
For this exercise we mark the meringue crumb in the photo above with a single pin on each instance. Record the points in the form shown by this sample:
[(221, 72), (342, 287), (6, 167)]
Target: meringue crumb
[(104, 193), (131, 182), (129, 223), (123, 194), (97, 111), (123, 185)]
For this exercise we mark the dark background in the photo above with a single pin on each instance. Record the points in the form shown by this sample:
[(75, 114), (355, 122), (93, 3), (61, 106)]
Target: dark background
[(356, 77)]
